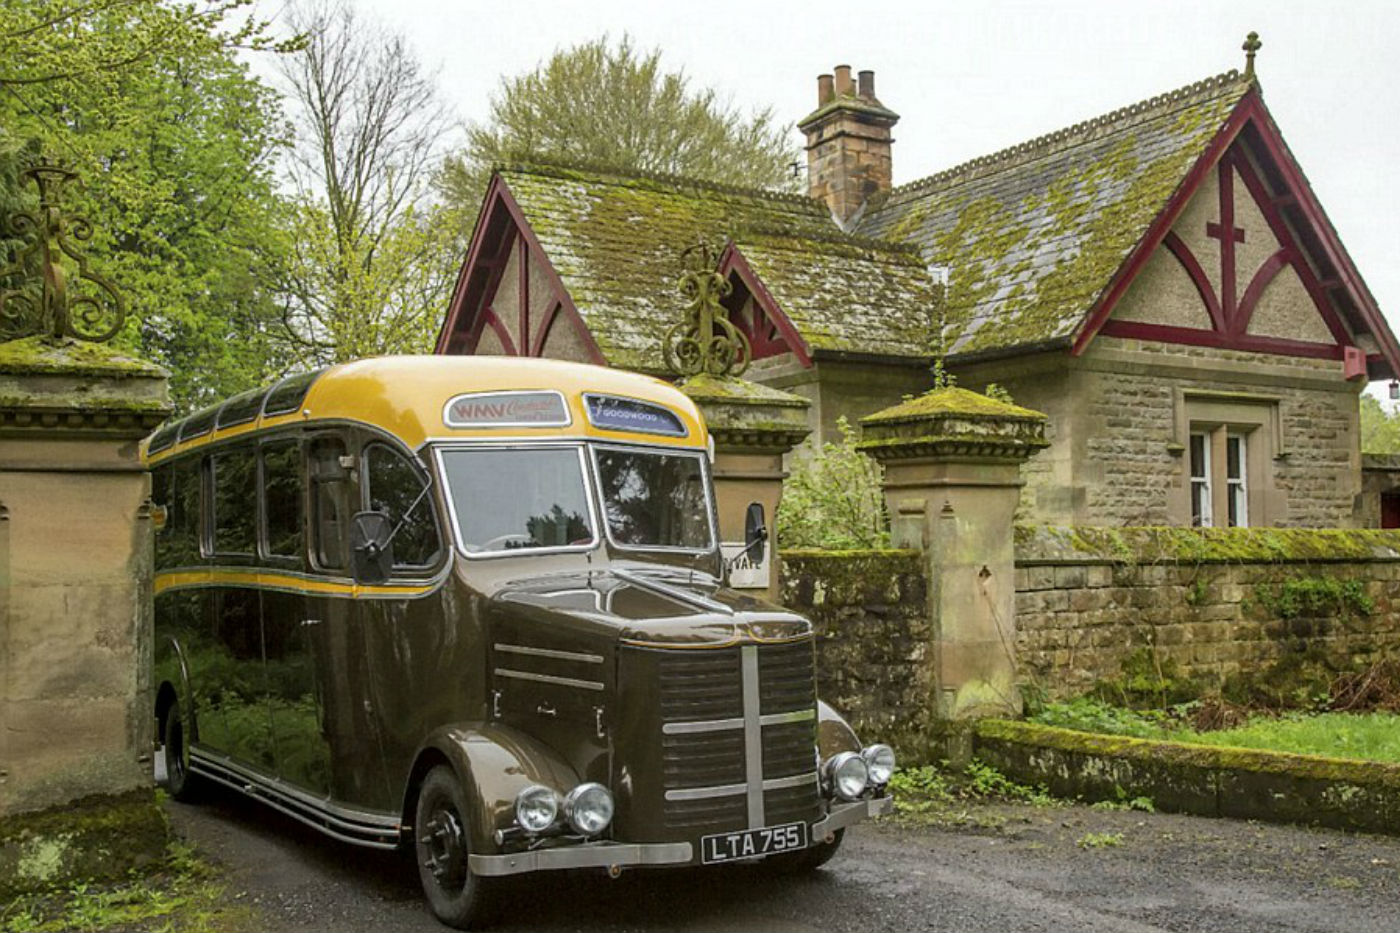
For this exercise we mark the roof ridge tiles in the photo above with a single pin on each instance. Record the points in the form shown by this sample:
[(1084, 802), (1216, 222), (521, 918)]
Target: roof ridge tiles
[(834, 238), (555, 166), (1049, 141)]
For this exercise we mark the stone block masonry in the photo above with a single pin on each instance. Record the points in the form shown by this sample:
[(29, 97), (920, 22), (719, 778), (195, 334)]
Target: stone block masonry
[(1207, 603)]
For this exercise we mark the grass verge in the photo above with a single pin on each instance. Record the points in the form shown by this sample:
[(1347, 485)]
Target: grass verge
[(181, 892), (1364, 736)]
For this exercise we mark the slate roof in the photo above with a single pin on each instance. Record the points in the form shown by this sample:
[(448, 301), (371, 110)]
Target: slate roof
[(1032, 235), (616, 238)]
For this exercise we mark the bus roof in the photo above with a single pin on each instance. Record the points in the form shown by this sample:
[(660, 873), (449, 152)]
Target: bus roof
[(408, 396)]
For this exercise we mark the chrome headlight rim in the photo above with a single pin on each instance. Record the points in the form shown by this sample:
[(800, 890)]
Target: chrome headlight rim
[(880, 763), (839, 770), (536, 808), (577, 804)]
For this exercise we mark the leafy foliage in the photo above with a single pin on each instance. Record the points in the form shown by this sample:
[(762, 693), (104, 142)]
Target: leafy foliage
[(929, 791), (1313, 597), (372, 255), (613, 104), (175, 144), (833, 499), (1380, 429)]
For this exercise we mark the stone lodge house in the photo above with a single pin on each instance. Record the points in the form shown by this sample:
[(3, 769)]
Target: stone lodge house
[(1161, 281)]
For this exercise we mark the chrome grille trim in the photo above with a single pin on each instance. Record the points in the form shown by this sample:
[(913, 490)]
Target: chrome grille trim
[(551, 653), (549, 679), (753, 734), (725, 725), (704, 793)]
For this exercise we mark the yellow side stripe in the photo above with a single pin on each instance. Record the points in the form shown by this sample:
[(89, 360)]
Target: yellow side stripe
[(272, 580)]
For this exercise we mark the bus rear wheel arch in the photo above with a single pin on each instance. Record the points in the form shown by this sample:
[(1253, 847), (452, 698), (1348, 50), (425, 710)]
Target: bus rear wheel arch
[(175, 747)]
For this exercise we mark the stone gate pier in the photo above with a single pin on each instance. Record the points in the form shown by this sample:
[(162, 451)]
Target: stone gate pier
[(75, 600)]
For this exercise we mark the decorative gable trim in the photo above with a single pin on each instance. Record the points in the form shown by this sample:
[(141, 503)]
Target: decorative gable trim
[(1230, 314), (501, 226), (732, 262)]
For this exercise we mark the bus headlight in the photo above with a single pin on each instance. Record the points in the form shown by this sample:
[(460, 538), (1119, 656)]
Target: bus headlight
[(847, 775), (589, 809), (536, 808), (879, 761)]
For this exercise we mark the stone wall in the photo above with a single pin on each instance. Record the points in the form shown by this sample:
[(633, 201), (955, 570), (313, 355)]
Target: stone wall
[(1204, 602), (870, 609)]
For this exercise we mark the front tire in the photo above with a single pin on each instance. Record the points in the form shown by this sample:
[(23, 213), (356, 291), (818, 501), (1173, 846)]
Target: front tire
[(441, 843)]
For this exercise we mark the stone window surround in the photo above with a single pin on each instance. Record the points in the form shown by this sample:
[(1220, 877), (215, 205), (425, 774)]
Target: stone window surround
[(1258, 418)]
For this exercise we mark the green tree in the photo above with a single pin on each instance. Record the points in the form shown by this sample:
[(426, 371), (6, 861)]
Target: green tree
[(175, 145), (374, 255), (611, 104), (833, 499), (1380, 429)]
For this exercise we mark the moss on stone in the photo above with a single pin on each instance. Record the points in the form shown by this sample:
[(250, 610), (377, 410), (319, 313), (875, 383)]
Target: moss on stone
[(47, 356), (1204, 545), (705, 387), (1196, 756), (952, 400), (96, 838)]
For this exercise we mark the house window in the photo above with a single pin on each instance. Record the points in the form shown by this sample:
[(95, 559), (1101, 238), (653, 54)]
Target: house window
[(1200, 480), (1236, 481)]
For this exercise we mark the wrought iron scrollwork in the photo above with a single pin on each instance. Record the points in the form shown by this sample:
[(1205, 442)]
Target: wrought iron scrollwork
[(705, 341), (51, 305)]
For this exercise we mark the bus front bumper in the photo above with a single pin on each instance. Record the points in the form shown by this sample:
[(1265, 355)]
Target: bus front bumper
[(606, 854)]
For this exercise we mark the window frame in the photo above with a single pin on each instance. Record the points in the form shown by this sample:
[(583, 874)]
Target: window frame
[(1202, 481), (211, 512), (264, 537), (313, 524), (1237, 486), (366, 478), (706, 481), (590, 495)]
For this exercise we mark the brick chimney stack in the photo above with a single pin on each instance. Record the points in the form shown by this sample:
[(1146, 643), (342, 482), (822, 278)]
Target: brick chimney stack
[(848, 143)]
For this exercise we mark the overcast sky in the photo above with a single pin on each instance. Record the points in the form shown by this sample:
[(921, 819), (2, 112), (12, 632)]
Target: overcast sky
[(972, 77)]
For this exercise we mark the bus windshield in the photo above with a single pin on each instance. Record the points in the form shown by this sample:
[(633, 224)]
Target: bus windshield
[(516, 499), (653, 499)]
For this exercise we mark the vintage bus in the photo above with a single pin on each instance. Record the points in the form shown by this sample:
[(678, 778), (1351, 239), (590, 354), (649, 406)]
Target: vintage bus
[(475, 607)]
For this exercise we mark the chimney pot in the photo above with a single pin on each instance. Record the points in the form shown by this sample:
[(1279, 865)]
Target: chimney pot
[(867, 84), (843, 81), (825, 90)]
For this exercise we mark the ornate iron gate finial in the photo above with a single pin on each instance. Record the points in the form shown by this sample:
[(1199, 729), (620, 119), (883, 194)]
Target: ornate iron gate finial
[(706, 341), (55, 310)]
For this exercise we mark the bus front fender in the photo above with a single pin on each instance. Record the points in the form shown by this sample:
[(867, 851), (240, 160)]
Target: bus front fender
[(494, 763)]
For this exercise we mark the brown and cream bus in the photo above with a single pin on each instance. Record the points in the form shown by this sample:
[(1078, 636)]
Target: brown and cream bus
[(476, 607)]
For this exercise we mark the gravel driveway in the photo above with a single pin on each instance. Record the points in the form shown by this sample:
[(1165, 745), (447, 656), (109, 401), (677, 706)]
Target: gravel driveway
[(994, 867)]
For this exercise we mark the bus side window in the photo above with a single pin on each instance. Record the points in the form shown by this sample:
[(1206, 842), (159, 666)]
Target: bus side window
[(163, 497), (328, 508), (394, 485), (282, 498), (235, 492)]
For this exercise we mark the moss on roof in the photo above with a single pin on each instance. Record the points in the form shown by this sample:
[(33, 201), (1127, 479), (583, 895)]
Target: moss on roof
[(1032, 236), (616, 239)]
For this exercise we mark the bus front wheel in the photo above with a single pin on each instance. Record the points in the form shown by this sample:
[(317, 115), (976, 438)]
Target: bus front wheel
[(440, 838)]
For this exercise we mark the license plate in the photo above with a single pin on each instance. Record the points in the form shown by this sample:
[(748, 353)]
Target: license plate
[(731, 847)]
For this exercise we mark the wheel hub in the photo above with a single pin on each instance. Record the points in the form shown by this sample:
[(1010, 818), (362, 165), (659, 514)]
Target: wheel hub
[(444, 849)]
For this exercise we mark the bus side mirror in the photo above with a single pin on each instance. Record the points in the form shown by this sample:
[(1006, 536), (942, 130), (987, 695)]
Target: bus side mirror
[(755, 533), (371, 549)]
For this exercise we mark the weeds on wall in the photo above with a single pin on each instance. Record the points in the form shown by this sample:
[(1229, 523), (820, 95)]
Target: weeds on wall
[(1315, 597), (833, 499)]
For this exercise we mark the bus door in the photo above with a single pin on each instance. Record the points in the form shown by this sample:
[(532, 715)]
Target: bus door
[(416, 656), (355, 766)]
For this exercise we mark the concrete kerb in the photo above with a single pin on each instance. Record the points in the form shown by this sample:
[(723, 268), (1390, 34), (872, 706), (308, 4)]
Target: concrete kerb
[(1206, 780)]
